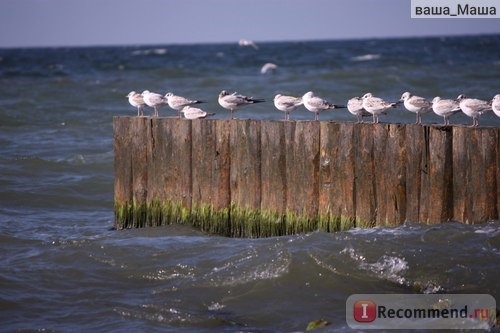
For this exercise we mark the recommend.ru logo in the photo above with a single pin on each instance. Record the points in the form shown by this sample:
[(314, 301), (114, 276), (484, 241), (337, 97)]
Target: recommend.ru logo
[(414, 311)]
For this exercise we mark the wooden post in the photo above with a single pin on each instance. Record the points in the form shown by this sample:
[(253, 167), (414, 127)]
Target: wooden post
[(249, 178)]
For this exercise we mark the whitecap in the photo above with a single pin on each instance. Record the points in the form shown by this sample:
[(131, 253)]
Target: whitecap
[(366, 57)]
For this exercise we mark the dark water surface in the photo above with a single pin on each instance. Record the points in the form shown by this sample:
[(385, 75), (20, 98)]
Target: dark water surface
[(63, 268)]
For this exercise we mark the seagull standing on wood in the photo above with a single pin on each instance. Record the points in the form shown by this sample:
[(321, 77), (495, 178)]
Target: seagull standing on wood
[(135, 99), (179, 102), (287, 104), (376, 106), (316, 105), (474, 108), (234, 101), (153, 100)]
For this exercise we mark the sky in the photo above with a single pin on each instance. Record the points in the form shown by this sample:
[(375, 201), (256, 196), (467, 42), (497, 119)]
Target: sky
[(33, 23)]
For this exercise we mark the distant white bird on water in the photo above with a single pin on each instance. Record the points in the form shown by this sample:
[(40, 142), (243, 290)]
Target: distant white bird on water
[(135, 99), (474, 108), (287, 104), (234, 101), (268, 67), (376, 106), (355, 107), (154, 100), (495, 104), (445, 108), (178, 102), (195, 113), (416, 104), (248, 42), (316, 104)]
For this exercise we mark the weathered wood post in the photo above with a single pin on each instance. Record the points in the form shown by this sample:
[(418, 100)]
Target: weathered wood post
[(249, 178)]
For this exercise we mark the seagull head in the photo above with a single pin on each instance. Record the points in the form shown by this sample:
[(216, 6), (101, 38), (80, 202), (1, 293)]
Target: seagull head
[(367, 95), (461, 97), (436, 99), (132, 93), (223, 93), (405, 96)]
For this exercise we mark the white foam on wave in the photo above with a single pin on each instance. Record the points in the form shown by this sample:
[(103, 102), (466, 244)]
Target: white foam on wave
[(386, 267), (156, 51), (366, 57)]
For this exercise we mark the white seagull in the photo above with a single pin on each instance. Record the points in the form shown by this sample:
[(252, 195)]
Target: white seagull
[(268, 67), (445, 108), (135, 99), (376, 106), (178, 102), (474, 108), (287, 104), (248, 42), (355, 107), (316, 105), (495, 104), (234, 101), (153, 100), (416, 104), (194, 113)]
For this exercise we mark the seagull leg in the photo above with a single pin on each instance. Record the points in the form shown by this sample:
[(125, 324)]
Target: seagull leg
[(316, 116), (360, 118), (419, 120)]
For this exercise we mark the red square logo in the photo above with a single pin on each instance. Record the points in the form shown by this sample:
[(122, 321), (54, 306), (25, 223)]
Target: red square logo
[(365, 311)]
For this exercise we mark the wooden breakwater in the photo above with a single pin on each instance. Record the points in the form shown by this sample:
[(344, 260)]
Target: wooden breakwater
[(250, 178)]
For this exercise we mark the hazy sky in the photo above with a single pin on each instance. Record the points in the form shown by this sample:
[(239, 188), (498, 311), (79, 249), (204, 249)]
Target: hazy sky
[(132, 22)]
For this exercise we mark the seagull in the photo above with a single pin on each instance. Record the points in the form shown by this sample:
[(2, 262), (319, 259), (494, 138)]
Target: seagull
[(376, 106), (194, 113), (268, 67), (135, 99), (316, 104), (179, 102), (416, 105), (445, 108), (495, 104), (355, 106), (248, 42), (153, 100), (287, 104), (234, 101), (474, 108)]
